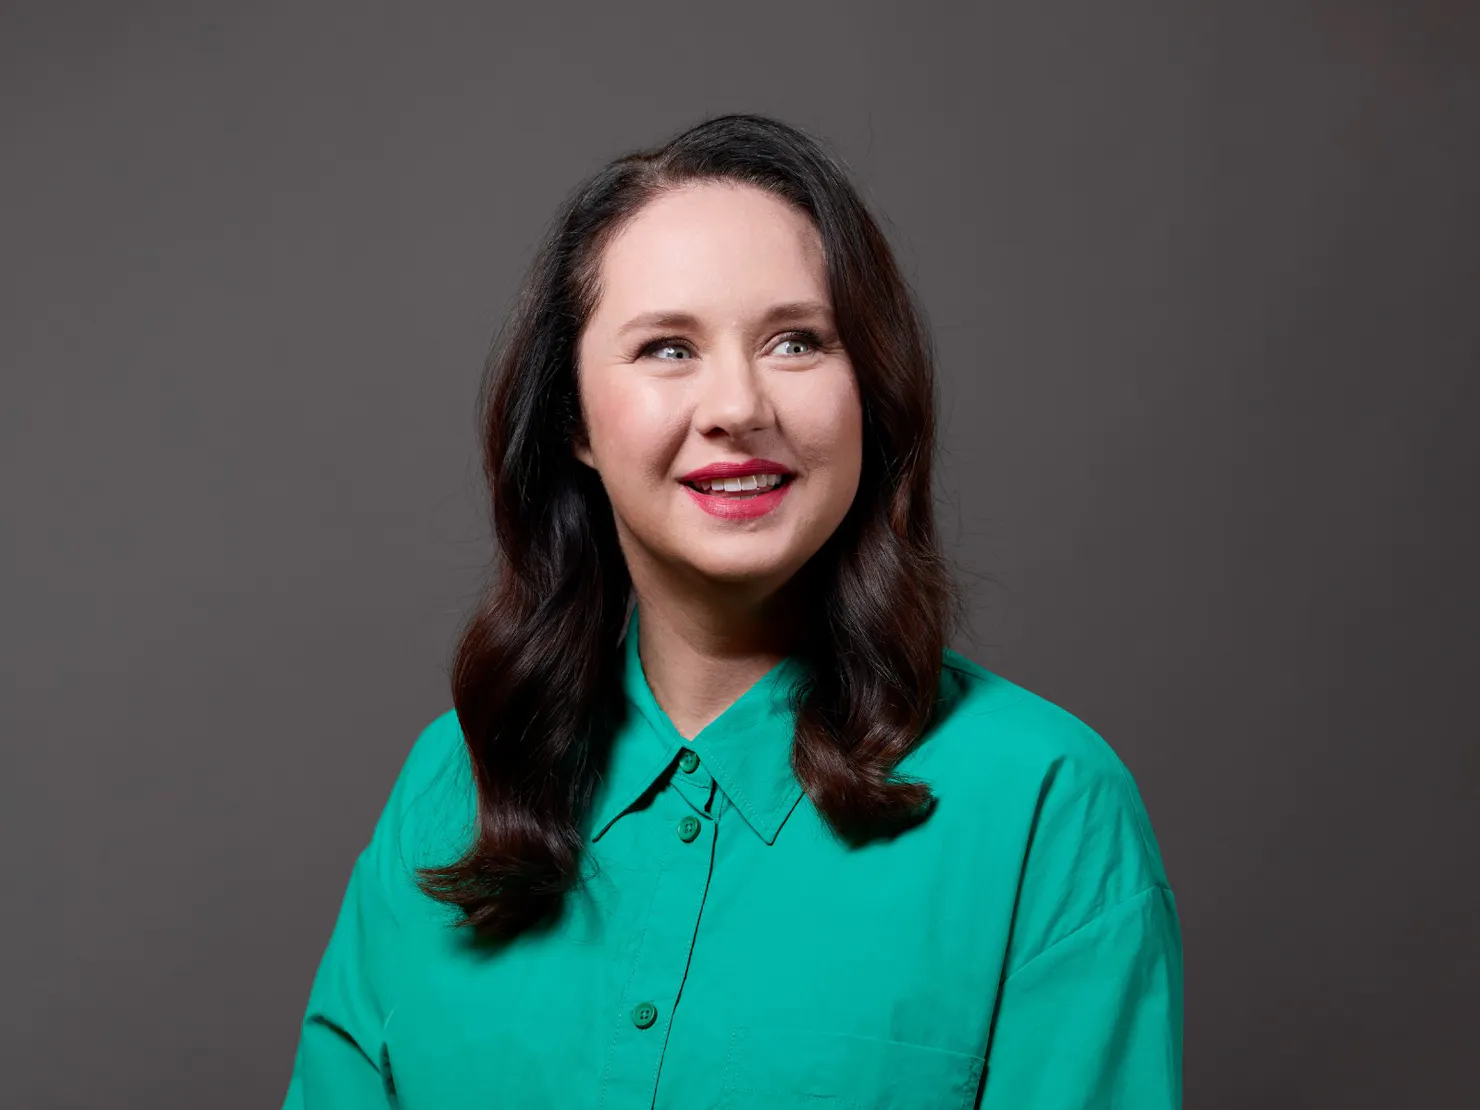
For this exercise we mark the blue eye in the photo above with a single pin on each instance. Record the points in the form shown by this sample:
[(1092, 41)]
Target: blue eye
[(806, 337), (810, 338), (662, 344)]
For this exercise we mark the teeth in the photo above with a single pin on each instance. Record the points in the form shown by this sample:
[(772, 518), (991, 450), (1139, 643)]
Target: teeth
[(739, 485)]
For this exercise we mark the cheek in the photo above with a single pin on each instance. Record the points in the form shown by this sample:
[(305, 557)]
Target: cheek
[(631, 427), (829, 421)]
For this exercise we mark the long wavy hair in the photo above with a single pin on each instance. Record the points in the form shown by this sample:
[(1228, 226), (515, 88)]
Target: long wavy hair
[(536, 673)]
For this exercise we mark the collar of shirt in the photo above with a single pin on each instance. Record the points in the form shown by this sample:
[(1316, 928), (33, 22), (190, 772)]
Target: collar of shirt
[(747, 748)]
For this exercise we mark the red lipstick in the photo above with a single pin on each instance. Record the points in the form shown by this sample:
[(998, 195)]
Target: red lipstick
[(738, 506), (734, 470)]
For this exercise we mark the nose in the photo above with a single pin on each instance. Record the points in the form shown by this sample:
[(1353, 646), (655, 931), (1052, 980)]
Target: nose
[(731, 396)]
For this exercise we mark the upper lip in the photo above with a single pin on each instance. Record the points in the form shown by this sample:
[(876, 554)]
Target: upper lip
[(734, 470)]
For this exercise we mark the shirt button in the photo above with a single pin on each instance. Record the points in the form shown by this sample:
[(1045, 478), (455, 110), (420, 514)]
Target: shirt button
[(688, 762), (688, 828), (644, 1014)]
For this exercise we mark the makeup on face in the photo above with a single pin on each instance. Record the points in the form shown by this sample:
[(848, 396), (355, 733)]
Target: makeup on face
[(739, 490)]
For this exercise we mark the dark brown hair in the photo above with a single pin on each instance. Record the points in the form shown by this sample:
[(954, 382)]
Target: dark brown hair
[(536, 675)]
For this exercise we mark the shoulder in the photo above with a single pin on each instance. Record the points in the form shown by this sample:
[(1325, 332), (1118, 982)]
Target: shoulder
[(994, 720), (1008, 750), (436, 750), (428, 814), (1041, 789)]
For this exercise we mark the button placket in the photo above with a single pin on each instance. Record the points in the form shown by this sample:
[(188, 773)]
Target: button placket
[(693, 782), (662, 959)]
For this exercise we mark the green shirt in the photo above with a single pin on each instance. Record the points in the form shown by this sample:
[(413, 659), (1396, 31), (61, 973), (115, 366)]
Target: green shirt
[(1019, 950)]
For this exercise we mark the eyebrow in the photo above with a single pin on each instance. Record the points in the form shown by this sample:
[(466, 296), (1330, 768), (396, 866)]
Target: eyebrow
[(776, 314)]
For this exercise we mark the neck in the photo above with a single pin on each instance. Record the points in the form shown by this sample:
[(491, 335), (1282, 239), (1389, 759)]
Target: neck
[(698, 659)]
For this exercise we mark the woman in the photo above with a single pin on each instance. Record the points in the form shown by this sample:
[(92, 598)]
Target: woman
[(717, 818)]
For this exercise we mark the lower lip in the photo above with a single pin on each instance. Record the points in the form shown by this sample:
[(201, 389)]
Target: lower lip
[(739, 508)]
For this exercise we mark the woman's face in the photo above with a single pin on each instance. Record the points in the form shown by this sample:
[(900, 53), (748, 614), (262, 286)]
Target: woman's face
[(747, 365)]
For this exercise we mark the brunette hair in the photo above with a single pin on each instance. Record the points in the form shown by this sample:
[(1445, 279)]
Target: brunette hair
[(536, 674)]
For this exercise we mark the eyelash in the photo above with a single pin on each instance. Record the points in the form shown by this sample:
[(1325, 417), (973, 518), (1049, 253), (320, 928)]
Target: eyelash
[(803, 334)]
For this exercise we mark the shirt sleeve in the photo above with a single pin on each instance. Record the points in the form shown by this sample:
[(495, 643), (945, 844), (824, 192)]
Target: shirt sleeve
[(340, 1060), (1088, 1013), (1095, 1020)]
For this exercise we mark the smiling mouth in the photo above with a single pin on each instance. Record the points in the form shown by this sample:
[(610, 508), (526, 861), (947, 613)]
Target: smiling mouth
[(741, 495)]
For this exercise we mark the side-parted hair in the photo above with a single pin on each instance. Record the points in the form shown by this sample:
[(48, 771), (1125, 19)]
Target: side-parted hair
[(536, 674)]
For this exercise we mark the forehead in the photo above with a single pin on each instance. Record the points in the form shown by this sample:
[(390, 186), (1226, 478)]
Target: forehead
[(712, 248)]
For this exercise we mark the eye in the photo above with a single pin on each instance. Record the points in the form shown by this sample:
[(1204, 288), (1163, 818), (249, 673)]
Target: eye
[(810, 338), (804, 336), (663, 345)]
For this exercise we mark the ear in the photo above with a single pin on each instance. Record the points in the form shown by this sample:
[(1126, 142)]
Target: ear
[(582, 450)]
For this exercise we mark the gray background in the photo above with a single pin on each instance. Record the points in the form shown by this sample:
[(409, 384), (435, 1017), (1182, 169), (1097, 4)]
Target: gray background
[(1204, 282)]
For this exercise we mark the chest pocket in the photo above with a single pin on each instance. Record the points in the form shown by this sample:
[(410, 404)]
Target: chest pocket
[(774, 1068)]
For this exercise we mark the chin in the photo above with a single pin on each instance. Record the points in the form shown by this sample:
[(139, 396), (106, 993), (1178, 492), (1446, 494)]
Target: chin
[(740, 567), (738, 573)]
